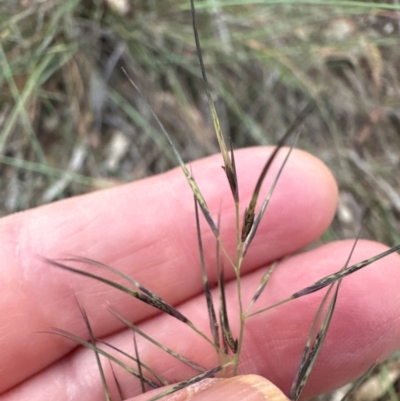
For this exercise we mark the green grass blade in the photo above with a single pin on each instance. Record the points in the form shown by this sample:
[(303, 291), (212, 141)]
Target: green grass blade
[(323, 3), (53, 172)]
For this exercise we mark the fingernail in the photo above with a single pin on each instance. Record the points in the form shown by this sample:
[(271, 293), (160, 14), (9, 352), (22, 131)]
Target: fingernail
[(243, 388)]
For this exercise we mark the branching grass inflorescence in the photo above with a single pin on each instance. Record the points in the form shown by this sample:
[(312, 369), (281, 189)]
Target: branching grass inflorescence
[(226, 343)]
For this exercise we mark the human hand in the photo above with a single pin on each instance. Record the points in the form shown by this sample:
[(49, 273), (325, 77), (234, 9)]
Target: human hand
[(147, 229)]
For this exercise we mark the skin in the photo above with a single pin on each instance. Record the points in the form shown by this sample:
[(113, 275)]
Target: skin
[(147, 230)]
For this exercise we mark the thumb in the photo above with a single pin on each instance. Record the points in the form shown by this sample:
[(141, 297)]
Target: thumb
[(239, 388)]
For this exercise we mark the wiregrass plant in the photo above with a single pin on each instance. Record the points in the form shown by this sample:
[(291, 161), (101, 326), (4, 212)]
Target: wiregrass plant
[(226, 343)]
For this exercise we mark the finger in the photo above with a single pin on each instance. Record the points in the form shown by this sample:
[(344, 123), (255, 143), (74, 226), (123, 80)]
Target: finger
[(365, 329), (146, 229)]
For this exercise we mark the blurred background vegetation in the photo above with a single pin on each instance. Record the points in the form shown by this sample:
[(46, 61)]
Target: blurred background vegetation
[(70, 122)]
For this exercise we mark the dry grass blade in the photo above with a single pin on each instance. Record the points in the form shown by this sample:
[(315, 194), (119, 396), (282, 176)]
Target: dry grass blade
[(89, 345), (263, 282), (229, 165), (157, 302), (162, 380), (208, 374), (169, 351), (250, 210), (206, 285), (93, 341), (195, 189)]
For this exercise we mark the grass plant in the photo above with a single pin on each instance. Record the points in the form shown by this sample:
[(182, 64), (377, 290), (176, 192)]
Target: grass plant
[(301, 69)]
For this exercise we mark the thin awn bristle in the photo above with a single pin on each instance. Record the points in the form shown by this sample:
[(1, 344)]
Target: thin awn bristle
[(343, 273), (311, 350), (229, 165), (117, 383), (235, 188), (194, 187), (93, 341), (169, 351), (248, 219), (256, 222), (155, 302), (263, 283), (330, 279), (89, 345), (206, 284), (139, 364), (226, 330), (119, 273), (162, 380)]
